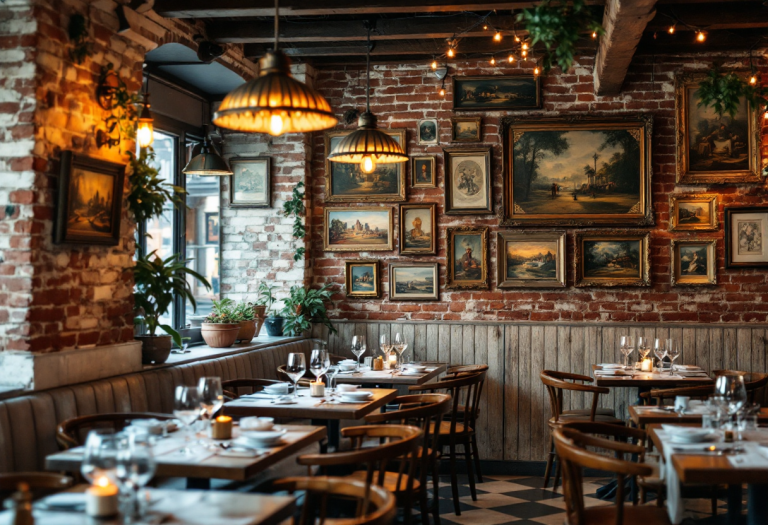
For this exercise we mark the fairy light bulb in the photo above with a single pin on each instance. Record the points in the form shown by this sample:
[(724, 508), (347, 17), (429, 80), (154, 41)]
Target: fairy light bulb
[(511, 59), (536, 70), (276, 125), (493, 61), (442, 92), (517, 38), (434, 64), (671, 30), (485, 27), (368, 165), (524, 53), (700, 36), (753, 80), (594, 34), (451, 53), (497, 37), (525, 46)]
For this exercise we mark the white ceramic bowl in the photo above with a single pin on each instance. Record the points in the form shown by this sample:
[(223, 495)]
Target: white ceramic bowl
[(362, 394), (262, 437), (257, 423), (347, 366), (277, 388), (347, 388)]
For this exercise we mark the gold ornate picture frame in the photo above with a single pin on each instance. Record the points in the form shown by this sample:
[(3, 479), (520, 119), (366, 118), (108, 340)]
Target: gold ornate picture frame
[(693, 212), (530, 259), (362, 278), (418, 229), (607, 258), (358, 229), (467, 258), (694, 262), (414, 282), (466, 129)]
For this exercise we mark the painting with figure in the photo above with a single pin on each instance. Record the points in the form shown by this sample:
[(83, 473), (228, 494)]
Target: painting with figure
[(423, 172), (419, 230), (413, 281), (363, 278), (468, 180), (612, 259), (358, 229), (750, 237), (531, 259), (467, 256), (693, 260), (496, 92), (428, 131)]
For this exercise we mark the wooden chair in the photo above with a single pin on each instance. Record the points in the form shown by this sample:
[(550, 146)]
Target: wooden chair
[(753, 381), (556, 384), (72, 432), (424, 411), (571, 449), (398, 447), (373, 505), (233, 386), (38, 482), (465, 391), (658, 397), (465, 369), (304, 381)]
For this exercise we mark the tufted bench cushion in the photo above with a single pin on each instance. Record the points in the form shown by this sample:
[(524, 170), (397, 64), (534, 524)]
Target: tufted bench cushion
[(28, 423)]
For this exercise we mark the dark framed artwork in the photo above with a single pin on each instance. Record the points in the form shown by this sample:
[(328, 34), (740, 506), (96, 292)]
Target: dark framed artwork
[(467, 254), (249, 185), (746, 228), (429, 132), (694, 262), (90, 201), (497, 92), (418, 229), (713, 149), (693, 212), (466, 129), (362, 278), (612, 258), (581, 171), (358, 229), (211, 228), (423, 172), (347, 183), (468, 188), (413, 282), (530, 259)]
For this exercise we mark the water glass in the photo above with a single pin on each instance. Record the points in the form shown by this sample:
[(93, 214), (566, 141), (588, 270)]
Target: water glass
[(319, 361), (295, 369), (660, 351), (100, 455), (211, 395), (135, 468), (627, 346), (730, 387), (384, 345), (673, 352), (358, 348), (187, 408), (331, 390)]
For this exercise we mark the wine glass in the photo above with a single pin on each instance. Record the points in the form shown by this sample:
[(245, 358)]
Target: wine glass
[(211, 395), (731, 388), (135, 468), (660, 351), (100, 455), (186, 408), (627, 346), (319, 362), (332, 371), (295, 369), (385, 345), (673, 352), (358, 348), (643, 347), (399, 345)]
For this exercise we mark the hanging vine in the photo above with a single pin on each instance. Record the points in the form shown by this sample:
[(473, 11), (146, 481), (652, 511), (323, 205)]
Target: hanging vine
[(149, 192), (295, 208), (723, 92)]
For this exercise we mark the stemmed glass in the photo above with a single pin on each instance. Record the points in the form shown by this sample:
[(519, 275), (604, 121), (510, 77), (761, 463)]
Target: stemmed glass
[(186, 408), (673, 352), (660, 351), (385, 345), (399, 345), (100, 455), (627, 346), (135, 468), (643, 347), (358, 348), (319, 362), (211, 395), (295, 369), (332, 371), (731, 388)]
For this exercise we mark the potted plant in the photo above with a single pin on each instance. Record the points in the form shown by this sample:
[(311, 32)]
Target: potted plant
[(157, 281), (305, 306), (220, 327), (243, 314), (273, 323)]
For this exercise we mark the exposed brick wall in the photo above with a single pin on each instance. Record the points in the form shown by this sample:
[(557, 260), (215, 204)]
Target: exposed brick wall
[(402, 94)]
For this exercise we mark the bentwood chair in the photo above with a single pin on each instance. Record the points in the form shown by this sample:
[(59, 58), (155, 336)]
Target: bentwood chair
[(41, 483), (424, 411), (465, 369), (72, 432), (233, 386), (659, 396), (325, 499)]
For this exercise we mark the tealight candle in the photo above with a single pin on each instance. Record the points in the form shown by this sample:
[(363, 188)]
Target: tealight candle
[(316, 389), (222, 428), (647, 365), (392, 361), (101, 499)]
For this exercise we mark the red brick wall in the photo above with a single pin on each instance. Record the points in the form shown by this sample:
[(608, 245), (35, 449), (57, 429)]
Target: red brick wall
[(402, 94)]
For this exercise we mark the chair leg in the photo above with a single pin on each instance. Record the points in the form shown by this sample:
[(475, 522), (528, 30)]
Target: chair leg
[(557, 474), (435, 493), (550, 458), (423, 505), (470, 470), (454, 479), (476, 454), (713, 501), (643, 496)]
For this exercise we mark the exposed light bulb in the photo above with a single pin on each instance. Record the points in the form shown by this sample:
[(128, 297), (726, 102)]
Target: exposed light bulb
[(700, 36), (536, 70), (517, 38), (497, 37), (753, 80), (511, 59), (594, 34), (671, 30), (276, 125), (368, 165), (485, 27), (493, 61), (525, 46), (524, 53), (434, 64), (451, 53), (145, 134), (442, 92)]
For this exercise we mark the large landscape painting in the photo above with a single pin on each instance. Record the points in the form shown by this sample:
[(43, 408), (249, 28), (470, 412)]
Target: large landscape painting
[(530, 259), (358, 229)]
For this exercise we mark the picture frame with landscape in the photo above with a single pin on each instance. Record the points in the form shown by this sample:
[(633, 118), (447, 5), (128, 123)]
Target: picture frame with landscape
[(694, 262), (612, 258), (693, 212), (578, 171), (714, 149), (362, 278), (467, 258), (468, 188), (347, 183), (466, 129), (418, 229), (495, 92), (746, 236), (423, 172), (429, 131), (413, 282), (250, 185), (90, 201), (530, 259), (358, 229)]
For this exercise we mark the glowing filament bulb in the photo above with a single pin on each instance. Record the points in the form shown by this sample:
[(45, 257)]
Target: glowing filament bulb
[(145, 134), (275, 125), (671, 30), (700, 36), (753, 80), (368, 165), (485, 27), (594, 34), (524, 53), (517, 38), (451, 53), (442, 92), (536, 70), (497, 37), (434, 64), (525, 46), (493, 61), (511, 59)]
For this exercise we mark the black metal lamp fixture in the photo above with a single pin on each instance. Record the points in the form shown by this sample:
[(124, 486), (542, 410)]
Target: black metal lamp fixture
[(145, 127), (207, 161)]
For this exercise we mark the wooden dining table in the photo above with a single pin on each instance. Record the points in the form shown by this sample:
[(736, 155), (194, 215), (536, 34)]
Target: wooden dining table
[(649, 415), (648, 380), (388, 378)]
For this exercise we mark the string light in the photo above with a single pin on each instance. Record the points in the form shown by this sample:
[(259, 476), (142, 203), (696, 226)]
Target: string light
[(517, 38), (525, 46), (524, 53), (493, 61), (497, 37), (434, 64), (671, 29), (511, 59), (753, 80), (594, 34), (485, 27), (701, 36), (536, 71), (451, 53)]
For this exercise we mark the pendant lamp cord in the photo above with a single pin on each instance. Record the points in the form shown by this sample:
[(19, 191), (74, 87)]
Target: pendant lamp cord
[(277, 20), (368, 73)]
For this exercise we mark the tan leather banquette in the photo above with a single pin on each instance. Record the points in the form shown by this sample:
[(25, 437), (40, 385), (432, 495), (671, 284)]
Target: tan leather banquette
[(28, 423)]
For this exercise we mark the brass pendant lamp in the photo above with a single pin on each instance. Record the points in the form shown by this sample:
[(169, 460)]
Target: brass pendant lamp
[(274, 102), (367, 145), (206, 161)]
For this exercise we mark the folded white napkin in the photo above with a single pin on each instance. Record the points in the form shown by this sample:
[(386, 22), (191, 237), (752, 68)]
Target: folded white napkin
[(754, 456), (675, 507)]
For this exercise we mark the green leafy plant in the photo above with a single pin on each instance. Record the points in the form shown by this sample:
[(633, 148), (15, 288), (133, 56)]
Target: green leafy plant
[(120, 102), (149, 192), (157, 280), (558, 25), (222, 312), (723, 92), (78, 34), (295, 207), (243, 311), (266, 297), (305, 306)]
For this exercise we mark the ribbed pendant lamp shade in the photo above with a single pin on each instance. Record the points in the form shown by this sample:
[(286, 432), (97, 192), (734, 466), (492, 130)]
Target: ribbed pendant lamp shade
[(366, 140)]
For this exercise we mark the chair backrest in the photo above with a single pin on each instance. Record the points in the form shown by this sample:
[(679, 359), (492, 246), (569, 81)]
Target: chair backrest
[(459, 370), (753, 381), (620, 434), (38, 482), (465, 391), (373, 505), (558, 382), (661, 395), (304, 381), (571, 449), (233, 386), (72, 432)]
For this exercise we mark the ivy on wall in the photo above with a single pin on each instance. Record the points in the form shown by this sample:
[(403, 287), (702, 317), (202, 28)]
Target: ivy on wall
[(723, 92), (295, 208)]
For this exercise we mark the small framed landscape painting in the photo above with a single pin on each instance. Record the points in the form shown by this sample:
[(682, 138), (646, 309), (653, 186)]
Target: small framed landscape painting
[(466, 129), (423, 172), (413, 282), (468, 181), (745, 237), (428, 131), (612, 258), (418, 229), (211, 228), (467, 253), (530, 259), (693, 261), (693, 212), (497, 92), (90, 201), (347, 183), (249, 186), (358, 229), (362, 278)]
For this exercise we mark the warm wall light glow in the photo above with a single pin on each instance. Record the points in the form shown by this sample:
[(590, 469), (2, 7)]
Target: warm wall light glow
[(497, 37), (493, 61), (753, 80), (451, 53), (442, 92), (700, 36), (536, 70), (485, 27), (145, 134), (434, 64), (594, 34), (671, 30), (275, 125), (368, 165), (511, 59)]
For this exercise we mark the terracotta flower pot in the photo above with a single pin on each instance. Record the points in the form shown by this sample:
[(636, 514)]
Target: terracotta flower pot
[(247, 331), (155, 349), (259, 312), (220, 335)]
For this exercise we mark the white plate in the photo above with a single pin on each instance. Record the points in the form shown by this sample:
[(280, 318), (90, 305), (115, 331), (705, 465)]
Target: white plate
[(358, 395), (690, 368), (688, 434), (262, 438), (610, 365)]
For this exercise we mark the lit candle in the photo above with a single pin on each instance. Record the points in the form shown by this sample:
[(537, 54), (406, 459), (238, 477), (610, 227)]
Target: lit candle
[(392, 361), (316, 389), (222, 428), (647, 365), (101, 499), (378, 363)]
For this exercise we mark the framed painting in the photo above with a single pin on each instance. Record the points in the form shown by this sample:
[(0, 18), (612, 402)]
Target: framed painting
[(694, 262), (467, 253), (581, 171), (712, 149), (423, 172), (530, 259), (362, 278), (429, 132), (693, 212), (468, 185), (347, 183), (745, 237), (418, 229), (413, 282), (358, 229), (495, 92), (249, 185), (466, 129), (90, 201), (612, 258), (211, 228)]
